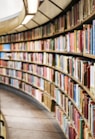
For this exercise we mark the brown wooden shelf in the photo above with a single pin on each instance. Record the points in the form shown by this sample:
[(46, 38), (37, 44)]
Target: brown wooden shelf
[(89, 56)]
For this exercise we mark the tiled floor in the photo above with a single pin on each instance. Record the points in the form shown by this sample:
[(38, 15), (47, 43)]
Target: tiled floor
[(27, 119)]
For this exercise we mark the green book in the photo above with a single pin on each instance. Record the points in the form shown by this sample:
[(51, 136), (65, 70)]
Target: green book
[(81, 128)]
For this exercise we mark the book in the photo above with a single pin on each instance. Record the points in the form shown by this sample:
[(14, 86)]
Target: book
[(93, 37), (81, 128)]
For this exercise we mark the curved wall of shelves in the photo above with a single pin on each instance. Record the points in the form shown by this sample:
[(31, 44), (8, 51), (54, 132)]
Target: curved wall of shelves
[(55, 63)]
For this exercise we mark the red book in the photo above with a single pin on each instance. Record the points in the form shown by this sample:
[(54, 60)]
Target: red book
[(66, 78), (72, 133), (72, 42), (86, 101), (45, 71), (81, 41), (70, 92)]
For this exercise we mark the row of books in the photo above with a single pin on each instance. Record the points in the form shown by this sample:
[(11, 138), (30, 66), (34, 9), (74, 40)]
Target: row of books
[(47, 44), (11, 64), (23, 76), (33, 68), (4, 79), (32, 91), (31, 57), (11, 72), (43, 71), (27, 46), (82, 132), (79, 41), (37, 81), (37, 45)]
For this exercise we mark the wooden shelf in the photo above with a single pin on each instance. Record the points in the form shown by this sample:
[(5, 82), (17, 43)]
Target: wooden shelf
[(89, 56)]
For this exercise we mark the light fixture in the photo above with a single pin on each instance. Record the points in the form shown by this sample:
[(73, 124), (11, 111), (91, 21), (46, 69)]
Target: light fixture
[(19, 26), (32, 6), (27, 19)]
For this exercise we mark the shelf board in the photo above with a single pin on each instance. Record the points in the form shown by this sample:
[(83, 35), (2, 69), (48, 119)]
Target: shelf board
[(89, 56)]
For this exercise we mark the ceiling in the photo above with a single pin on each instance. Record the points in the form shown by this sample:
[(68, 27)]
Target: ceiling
[(47, 10)]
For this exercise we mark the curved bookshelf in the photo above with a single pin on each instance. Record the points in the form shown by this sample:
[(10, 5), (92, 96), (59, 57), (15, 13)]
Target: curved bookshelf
[(59, 49)]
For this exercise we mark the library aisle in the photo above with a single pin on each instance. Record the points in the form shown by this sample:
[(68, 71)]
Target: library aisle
[(27, 119)]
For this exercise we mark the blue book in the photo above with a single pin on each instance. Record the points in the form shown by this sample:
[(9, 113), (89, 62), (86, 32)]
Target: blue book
[(74, 95), (2, 55), (12, 81), (6, 47)]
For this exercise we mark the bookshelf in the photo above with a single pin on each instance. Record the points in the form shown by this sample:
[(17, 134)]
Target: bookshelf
[(55, 64)]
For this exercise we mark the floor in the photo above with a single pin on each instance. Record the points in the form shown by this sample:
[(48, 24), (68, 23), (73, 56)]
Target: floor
[(27, 119)]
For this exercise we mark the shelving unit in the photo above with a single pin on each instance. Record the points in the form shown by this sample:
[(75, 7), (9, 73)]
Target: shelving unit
[(55, 63)]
